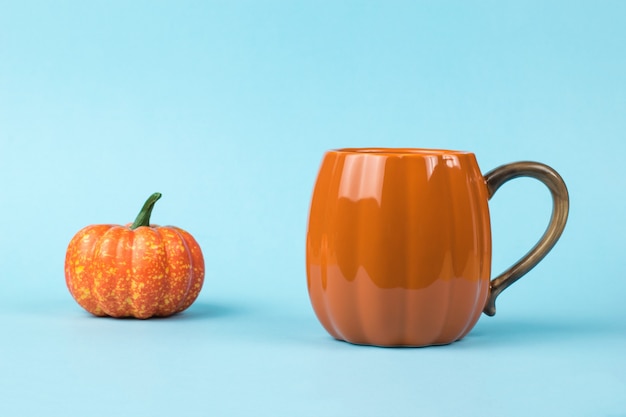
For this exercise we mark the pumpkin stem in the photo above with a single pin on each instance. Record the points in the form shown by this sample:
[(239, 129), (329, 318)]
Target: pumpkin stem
[(143, 218)]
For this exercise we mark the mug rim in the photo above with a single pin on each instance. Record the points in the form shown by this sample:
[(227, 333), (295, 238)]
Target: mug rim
[(382, 151)]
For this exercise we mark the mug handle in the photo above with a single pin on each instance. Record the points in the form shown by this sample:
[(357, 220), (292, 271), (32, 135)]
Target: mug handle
[(560, 208)]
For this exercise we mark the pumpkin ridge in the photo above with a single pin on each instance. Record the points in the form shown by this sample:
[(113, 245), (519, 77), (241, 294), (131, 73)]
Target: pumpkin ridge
[(124, 260), (189, 274), (196, 268), (161, 309), (79, 270), (173, 242), (149, 274), (103, 289)]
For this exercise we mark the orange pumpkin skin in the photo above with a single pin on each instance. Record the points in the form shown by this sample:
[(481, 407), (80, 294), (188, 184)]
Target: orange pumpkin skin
[(113, 270)]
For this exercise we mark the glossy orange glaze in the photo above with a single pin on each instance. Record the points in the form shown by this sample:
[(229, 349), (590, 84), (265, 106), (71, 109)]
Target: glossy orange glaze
[(149, 271), (399, 246)]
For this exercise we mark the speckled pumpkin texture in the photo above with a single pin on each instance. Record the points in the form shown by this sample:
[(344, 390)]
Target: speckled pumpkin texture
[(112, 270)]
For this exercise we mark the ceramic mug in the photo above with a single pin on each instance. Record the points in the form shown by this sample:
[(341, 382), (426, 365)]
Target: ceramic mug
[(399, 243)]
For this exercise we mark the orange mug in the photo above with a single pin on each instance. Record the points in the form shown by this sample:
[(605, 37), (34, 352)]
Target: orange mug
[(399, 243)]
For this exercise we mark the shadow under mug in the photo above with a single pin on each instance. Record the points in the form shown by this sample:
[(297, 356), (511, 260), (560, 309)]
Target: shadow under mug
[(399, 243)]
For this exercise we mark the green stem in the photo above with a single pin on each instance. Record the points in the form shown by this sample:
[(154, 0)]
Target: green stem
[(143, 218)]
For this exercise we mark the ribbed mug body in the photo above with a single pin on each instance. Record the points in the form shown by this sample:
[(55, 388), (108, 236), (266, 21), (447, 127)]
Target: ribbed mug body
[(398, 247)]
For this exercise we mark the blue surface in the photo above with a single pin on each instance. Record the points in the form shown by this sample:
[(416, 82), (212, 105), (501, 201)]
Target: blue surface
[(226, 108)]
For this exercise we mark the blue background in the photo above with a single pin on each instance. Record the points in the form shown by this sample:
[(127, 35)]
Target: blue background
[(227, 108)]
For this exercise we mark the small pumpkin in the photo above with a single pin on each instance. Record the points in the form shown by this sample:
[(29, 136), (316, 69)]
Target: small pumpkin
[(137, 270)]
